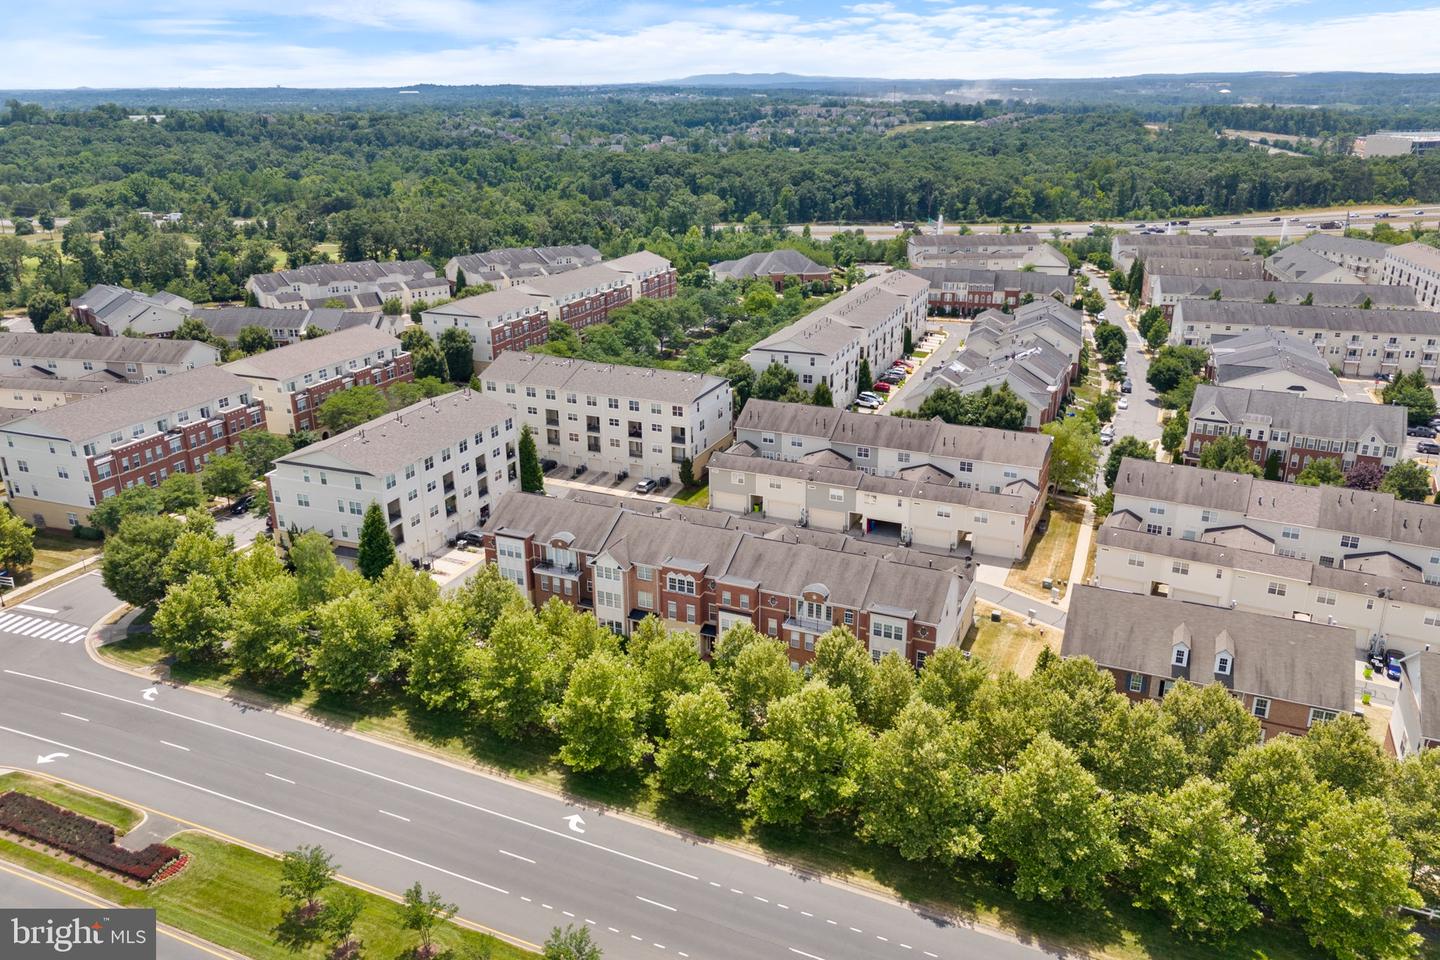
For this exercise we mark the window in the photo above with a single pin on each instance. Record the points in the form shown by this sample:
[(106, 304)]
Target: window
[(862, 453), (1432, 618), (903, 456), (887, 631), (1349, 542), (644, 573), (1317, 715), (1223, 663), (1207, 516), (1135, 560), (1275, 589), (1260, 707), (1290, 533), (1325, 598), (676, 583), (1180, 567), (837, 496), (1180, 657)]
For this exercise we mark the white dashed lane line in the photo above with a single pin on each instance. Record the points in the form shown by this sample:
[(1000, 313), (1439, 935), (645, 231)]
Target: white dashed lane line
[(655, 903)]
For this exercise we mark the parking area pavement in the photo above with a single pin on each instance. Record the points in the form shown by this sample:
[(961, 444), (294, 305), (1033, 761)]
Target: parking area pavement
[(906, 396)]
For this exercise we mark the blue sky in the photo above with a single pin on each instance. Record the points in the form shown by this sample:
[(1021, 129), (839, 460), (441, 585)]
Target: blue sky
[(341, 43)]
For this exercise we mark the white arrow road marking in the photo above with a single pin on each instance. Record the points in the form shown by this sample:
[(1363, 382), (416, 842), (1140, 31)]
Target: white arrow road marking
[(151, 694), (577, 822), (655, 903), (50, 757)]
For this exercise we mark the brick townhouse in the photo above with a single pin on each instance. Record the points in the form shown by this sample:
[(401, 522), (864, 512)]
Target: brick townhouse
[(293, 381), (1289, 674), (963, 292), (704, 573)]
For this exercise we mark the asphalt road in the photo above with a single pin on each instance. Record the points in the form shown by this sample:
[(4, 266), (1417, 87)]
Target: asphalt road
[(515, 859)]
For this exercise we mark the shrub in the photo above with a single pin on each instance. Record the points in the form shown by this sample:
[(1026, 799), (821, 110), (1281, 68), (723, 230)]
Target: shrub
[(90, 840)]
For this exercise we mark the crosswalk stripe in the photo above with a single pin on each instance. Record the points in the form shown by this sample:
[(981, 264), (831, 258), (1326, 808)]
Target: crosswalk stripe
[(51, 631), (8, 619), (42, 629), (15, 622), (30, 629)]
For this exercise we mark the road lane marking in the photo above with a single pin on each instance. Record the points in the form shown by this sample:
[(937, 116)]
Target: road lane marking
[(782, 906), (568, 914), (517, 856), (761, 899), (612, 929), (34, 609), (660, 946), (362, 771), (714, 884), (527, 899), (655, 903), (741, 892), (906, 946), (856, 930), (591, 922), (547, 906), (882, 939), (929, 954), (73, 716), (262, 809), (802, 953), (633, 937), (831, 922), (806, 913), (395, 815), (281, 779), (175, 745)]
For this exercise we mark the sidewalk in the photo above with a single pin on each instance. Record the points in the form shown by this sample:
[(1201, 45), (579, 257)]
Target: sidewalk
[(51, 579), (1082, 554)]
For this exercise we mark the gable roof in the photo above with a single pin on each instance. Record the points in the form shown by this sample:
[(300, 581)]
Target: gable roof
[(600, 379), (1289, 315), (87, 346), (785, 262), (1301, 264), (855, 312), (307, 355), (1307, 416), (1382, 296)]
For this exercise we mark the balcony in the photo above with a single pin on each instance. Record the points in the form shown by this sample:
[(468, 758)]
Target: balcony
[(635, 432), (677, 434), (552, 419), (807, 625), (568, 570)]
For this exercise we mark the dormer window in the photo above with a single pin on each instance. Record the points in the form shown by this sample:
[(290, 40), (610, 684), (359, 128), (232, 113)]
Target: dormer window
[(1180, 656), (1223, 663)]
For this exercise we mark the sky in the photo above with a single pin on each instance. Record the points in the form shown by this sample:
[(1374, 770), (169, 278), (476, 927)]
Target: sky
[(357, 43)]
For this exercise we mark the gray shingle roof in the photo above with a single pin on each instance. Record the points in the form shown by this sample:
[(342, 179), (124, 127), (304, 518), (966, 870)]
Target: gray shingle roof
[(840, 321), (1301, 264), (791, 263), (307, 355), (1289, 316), (1026, 281), (1306, 416), (1218, 267), (1264, 349), (359, 271), (526, 261), (1381, 296), (601, 379), (1323, 243), (1306, 663), (85, 346)]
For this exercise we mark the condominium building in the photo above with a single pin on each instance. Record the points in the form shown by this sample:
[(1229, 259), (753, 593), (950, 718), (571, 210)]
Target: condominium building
[(777, 266), (1415, 719), (1288, 674), (80, 356), (1164, 292), (37, 392), (1330, 525), (290, 326), (1364, 258), (962, 292), (293, 381), (608, 418), (1125, 248), (1359, 343), (1417, 266), (867, 322), (111, 311), (362, 284), (1297, 429), (649, 275), (1299, 264), (987, 251), (59, 463), (509, 266), (920, 482), (1269, 359), (437, 468), (704, 577), (1219, 266), (1383, 602)]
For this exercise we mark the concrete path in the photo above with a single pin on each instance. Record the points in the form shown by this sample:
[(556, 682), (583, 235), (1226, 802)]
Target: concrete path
[(1082, 553)]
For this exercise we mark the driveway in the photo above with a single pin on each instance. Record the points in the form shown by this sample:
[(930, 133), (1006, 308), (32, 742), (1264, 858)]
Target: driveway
[(1141, 419)]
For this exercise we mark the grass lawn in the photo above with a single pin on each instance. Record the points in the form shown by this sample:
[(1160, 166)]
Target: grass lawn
[(1010, 644), (228, 895), (123, 818), (55, 550), (1050, 555), (693, 496)]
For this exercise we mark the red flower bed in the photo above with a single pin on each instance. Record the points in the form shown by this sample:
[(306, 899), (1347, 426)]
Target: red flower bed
[(171, 868), (87, 839)]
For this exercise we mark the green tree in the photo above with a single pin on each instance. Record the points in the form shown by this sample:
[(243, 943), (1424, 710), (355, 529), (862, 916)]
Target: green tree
[(377, 550), (191, 620), (812, 757), (261, 449), (774, 381), (515, 673), (919, 795), (46, 310), (951, 679), (844, 664), (1415, 816), (1159, 333), (602, 716), (669, 665), (1110, 342), (195, 553), (1074, 452), (760, 299), (761, 675), (863, 379), (1275, 466), (266, 629), (571, 943), (305, 872), (1344, 755), (1351, 877), (1407, 480), (1172, 435), (338, 920), (1274, 791), (227, 475), (1213, 725), (444, 659), (17, 541), (179, 492), (1134, 751), (687, 473), (423, 913), (353, 646), (346, 409), (254, 339), (428, 361), (1148, 319), (313, 557), (133, 565), (139, 500), (192, 328), (1412, 391), (891, 689), (1166, 373), (1104, 408), (402, 594), (704, 753), (1126, 446), (821, 397), (532, 476), (908, 345), (1194, 860), (485, 596), (1230, 454), (458, 348), (1053, 825)]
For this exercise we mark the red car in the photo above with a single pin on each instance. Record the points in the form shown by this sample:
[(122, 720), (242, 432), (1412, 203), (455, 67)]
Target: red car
[(881, 387)]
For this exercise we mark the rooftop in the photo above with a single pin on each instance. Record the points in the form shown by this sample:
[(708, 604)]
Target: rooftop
[(1382, 296), (775, 262), (1300, 264), (307, 355), (1418, 253), (85, 346), (600, 379), (1305, 416), (359, 271), (1288, 315), (839, 322)]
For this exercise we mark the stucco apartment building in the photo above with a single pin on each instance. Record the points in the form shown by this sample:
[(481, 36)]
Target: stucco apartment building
[(437, 468), (1164, 292), (110, 311), (607, 417), (917, 482), (1384, 603), (80, 356), (360, 284), (777, 266), (1359, 343), (1415, 719), (1417, 266), (956, 291), (1300, 429), (1289, 674), (987, 251), (868, 321), (509, 266), (704, 576), (59, 463), (293, 381), (1330, 525)]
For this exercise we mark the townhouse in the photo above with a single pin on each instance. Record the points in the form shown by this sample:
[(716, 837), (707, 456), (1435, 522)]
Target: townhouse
[(1299, 264), (1269, 359), (869, 321), (1297, 429), (1417, 266), (293, 381), (1356, 342), (612, 418), (988, 251), (32, 393), (1385, 604), (1415, 719), (519, 315), (436, 467), (916, 482), (705, 577), (1165, 291), (1289, 674), (1125, 248), (59, 463), (1330, 525), (110, 360), (777, 266), (1203, 264), (509, 266), (1038, 374), (1364, 258), (362, 284), (290, 326), (955, 291), (110, 311)]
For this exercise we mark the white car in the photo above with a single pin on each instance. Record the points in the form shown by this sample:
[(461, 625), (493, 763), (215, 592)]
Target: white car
[(1123, 403)]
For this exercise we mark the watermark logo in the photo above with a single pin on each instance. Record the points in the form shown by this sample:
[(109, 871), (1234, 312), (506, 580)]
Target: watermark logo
[(32, 934)]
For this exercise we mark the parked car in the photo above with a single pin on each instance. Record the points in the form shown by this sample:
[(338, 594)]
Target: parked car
[(1107, 435), (645, 486), (891, 378), (1126, 386), (881, 386), (1421, 431), (1428, 447), (867, 403), (469, 538), (1392, 663), (241, 506), (1123, 403), (868, 395), (547, 464)]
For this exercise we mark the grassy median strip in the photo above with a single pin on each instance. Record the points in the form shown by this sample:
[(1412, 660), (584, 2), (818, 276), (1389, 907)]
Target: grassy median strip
[(121, 817), (228, 894)]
